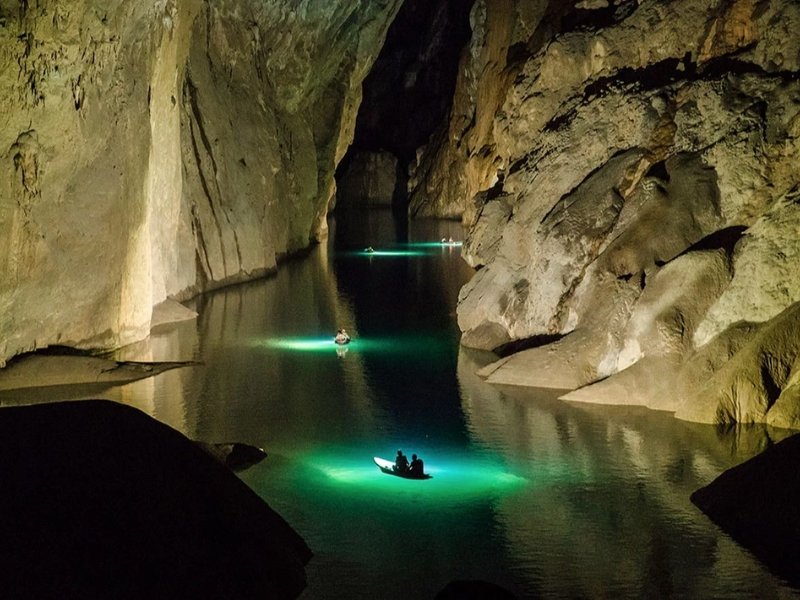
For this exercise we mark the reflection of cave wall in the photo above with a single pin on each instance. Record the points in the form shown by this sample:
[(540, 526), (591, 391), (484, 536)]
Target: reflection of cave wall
[(405, 97), (629, 173), (579, 454)]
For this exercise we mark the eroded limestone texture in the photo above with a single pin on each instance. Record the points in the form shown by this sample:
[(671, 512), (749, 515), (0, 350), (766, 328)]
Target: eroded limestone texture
[(629, 174), (155, 150)]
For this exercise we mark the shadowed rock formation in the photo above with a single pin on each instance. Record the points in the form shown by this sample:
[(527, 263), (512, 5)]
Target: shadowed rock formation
[(234, 455), (406, 97), (101, 501), (473, 590), (38, 371), (756, 504)]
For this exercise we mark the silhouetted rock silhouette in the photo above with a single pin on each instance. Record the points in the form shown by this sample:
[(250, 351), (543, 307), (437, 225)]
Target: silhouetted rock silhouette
[(101, 501)]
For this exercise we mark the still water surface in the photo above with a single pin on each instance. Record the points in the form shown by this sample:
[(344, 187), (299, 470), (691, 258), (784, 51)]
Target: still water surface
[(546, 498)]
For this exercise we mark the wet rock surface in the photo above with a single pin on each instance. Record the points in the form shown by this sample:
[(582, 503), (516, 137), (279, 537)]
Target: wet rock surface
[(49, 370)]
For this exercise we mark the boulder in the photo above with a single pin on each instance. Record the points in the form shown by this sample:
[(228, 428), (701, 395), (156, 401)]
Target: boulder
[(473, 590), (756, 504), (102, 501), (235, 455)]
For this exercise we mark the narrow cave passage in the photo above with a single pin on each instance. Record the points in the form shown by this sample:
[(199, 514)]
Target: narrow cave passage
[(406, 97)]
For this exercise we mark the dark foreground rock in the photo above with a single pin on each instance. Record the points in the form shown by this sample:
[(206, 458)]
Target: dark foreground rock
[(756, 504), (235, 455), (99, 500), (473, 590)]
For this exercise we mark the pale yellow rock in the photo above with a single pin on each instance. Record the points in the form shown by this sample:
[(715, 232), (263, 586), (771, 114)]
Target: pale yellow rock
[(749, 380), (766, 265), (157, 150), (700, 100)]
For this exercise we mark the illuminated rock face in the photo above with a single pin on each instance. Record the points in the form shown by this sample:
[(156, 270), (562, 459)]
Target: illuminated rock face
[(599, 152), (154, 150)]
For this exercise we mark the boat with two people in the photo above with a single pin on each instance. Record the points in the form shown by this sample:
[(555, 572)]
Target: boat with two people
[(414, 470)]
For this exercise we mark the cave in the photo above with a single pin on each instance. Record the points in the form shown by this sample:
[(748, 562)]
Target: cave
[(405, 98), (548, 248)]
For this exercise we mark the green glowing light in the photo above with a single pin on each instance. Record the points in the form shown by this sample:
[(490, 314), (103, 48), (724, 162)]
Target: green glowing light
[(413, 345), (453, 479), (390, 253), (309, 344), (443, 245)]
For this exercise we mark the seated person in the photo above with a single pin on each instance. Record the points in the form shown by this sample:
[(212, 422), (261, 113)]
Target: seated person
[(416, 468), (341, 337), (401, 462)]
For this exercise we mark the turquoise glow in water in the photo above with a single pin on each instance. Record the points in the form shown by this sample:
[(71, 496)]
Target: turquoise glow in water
[(549, 499), (388, 253), (453, 478), (385, 345), (439, 245)]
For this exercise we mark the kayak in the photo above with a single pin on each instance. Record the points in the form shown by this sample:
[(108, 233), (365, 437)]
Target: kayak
[(387, 466), (343, 342)]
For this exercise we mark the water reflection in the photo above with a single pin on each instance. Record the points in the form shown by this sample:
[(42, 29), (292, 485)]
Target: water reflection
[(547, 498), (617, 521)]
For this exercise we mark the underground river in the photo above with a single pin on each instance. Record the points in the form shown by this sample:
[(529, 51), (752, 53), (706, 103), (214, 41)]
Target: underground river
[(545, 498)]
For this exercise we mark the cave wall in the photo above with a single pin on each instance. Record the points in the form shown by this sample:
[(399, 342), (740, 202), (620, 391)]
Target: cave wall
[(155, 150), (628, 170)]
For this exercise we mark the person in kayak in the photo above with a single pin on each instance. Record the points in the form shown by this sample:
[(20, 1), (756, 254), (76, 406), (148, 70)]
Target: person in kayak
[(342, 337), (401, 462), (417, 467)]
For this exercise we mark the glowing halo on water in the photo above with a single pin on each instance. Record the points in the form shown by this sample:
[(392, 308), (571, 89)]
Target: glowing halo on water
[(409, 345), (388, 253), (301, 344), (443, 245), (454, 479)]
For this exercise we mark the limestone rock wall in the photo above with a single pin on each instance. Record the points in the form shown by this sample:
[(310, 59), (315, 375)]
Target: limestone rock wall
[(371, 179), (629, 173), (154, 150)]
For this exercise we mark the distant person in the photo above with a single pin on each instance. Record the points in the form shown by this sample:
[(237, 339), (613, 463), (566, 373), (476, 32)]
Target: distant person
[(369, 249), (401, 462), (342, 337), (417, 468)]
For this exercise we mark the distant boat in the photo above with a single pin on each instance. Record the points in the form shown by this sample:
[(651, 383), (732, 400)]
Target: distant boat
[(387, 466)]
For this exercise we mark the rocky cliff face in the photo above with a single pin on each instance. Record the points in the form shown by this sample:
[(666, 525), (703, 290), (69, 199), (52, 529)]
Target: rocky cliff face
[(159, 149), (629, 173)]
